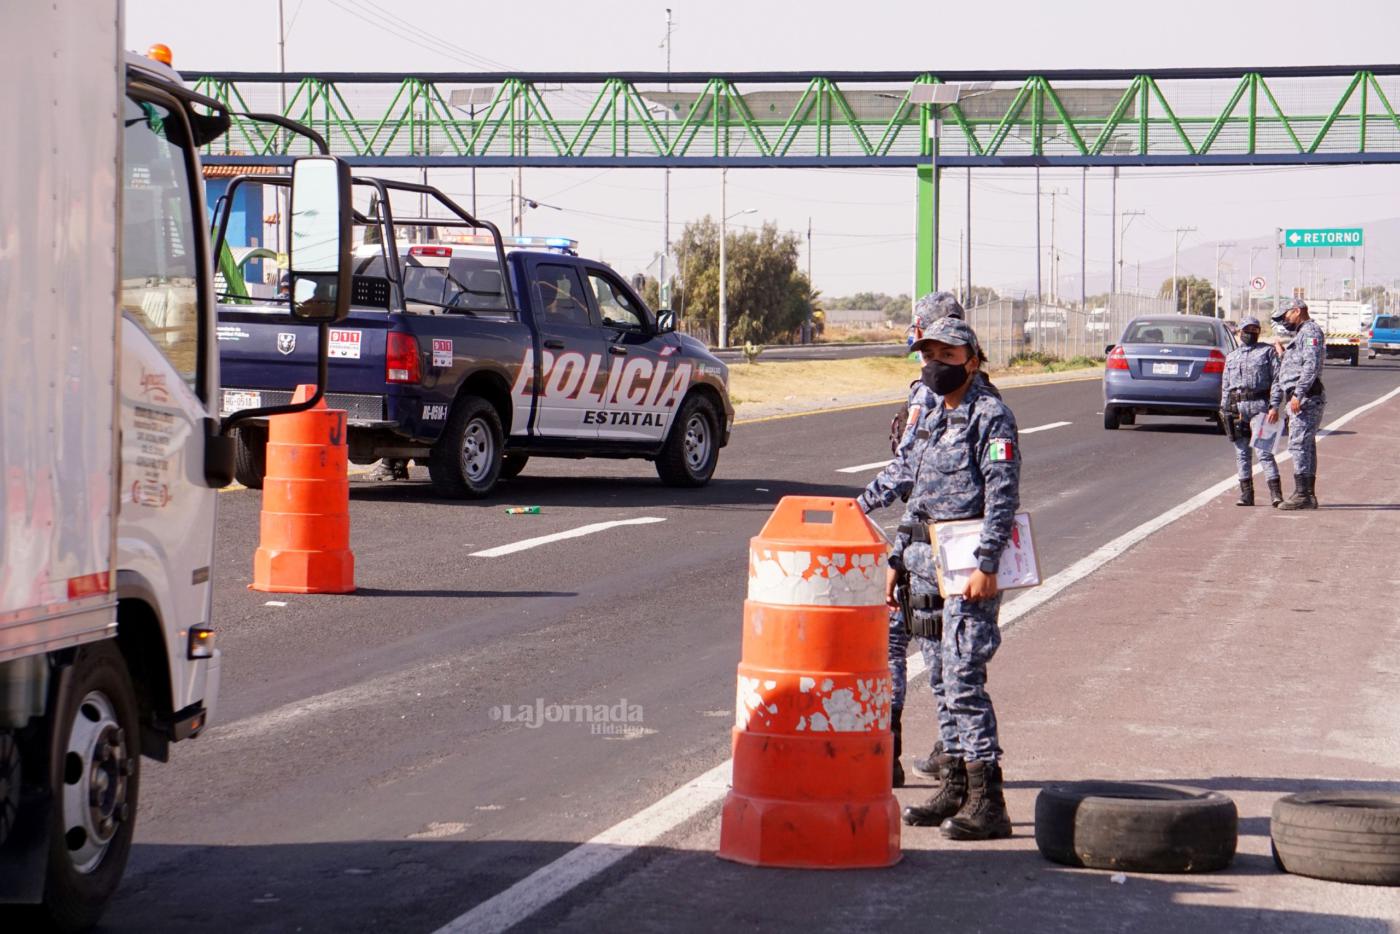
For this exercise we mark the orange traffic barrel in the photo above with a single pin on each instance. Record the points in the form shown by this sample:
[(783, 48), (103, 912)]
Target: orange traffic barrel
[(305, 527), (812, 744)]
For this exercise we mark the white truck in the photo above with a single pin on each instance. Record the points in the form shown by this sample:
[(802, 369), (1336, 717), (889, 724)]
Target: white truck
[(111, 448), (1344, 323)]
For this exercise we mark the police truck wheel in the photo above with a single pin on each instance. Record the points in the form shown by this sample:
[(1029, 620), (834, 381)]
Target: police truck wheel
[(1337, 836), (512, 464), (1136, 827), (96, 769), (692, 449), (1110, 418), (466, 462), (250, 456)]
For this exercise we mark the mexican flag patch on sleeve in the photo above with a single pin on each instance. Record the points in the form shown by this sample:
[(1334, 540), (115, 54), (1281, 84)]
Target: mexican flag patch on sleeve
[(1000, 450)]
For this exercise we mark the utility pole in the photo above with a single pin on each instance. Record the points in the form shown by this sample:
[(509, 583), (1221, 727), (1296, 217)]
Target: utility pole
[(722, 338), (282, 98), (1220, 247), (1113, 261), (961, 296), (1176, 250), (1054, 254), (809, 252), (1128, 217)]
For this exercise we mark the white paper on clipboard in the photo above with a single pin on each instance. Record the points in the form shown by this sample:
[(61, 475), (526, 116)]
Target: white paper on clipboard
[(1264, 436), (957, 559)]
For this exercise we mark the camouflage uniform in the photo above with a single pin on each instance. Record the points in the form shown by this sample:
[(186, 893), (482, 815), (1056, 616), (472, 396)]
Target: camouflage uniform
[(1249, 377), (881, 491), (1300, 375), (965, 463)]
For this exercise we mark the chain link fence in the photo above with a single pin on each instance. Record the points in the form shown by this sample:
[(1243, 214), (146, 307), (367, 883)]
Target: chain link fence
[(1010, 328)]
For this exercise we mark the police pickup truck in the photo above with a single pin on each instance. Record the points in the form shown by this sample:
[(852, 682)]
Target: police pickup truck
[(473, 355)]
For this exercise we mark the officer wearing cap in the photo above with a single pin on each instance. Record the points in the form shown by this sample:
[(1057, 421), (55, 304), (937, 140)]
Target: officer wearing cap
[(1249, 378), (1299, 386), (882, 492), (964, 463)]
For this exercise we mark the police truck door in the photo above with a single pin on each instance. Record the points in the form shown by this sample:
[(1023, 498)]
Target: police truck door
[(573, 371), (643, 400)]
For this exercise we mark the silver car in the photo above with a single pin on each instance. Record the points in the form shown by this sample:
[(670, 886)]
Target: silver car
[(1166, 365)]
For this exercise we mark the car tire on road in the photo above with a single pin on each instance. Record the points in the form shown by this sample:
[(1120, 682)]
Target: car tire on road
[(1338, 836), (250, 456), (512, 464), (1136, 826), (1127, 416), (466, 461), (1111, 419), (692, 449)]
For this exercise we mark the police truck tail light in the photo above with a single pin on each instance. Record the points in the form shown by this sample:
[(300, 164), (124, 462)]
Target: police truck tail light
[(1215, 363), (401, 358), (1117, 359)]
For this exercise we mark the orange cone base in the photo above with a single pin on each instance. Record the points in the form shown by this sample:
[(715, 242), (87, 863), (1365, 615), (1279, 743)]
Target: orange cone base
[(861, 834), (290, 571)]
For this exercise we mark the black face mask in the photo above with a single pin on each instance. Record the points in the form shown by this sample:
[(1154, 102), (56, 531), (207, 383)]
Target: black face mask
[(1292, 326), (1248, 339), (944, 378)]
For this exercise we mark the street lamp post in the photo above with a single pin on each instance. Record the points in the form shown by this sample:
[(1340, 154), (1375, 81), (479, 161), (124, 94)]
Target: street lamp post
[(723, 335), (1176, 249)]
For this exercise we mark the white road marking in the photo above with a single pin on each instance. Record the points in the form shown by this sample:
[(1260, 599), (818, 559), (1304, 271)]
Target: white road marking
[(507, 909), (561, 536), (1031, 431), (861, 468)]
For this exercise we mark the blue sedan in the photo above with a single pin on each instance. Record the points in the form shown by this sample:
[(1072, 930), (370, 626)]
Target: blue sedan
[(1166, 365)]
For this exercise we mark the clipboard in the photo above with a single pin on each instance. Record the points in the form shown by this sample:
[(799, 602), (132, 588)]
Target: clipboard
[(955, 544)]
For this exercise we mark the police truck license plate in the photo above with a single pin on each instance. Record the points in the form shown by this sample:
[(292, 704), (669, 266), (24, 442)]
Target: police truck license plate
[(238, 401), (1164, 369)]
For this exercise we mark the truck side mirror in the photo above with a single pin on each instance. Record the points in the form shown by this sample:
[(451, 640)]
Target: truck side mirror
[(320, 240), (665, 321)]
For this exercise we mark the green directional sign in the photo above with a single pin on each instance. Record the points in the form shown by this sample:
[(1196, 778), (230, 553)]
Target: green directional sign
[(1303, 238)]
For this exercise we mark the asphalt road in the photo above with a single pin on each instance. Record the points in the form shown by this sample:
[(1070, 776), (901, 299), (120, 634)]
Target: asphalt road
[(356, 778)]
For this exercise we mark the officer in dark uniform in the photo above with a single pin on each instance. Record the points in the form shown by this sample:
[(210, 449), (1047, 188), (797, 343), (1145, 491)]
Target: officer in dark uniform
[(1245, 388), (964, 463), (1299, 387)]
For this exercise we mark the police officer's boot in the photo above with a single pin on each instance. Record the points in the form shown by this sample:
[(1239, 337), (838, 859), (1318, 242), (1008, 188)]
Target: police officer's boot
[(1302, 497), (927, 767), (1275, 491), (896, 713), (1246, 493), (952, 792), (983, 816)]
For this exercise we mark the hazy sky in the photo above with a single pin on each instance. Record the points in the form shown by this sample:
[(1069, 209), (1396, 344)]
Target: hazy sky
[(862, 219)]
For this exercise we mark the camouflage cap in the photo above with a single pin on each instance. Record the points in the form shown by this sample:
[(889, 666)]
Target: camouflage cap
[(1292, 304), (948, 330), (933, 306), (1249, 322)]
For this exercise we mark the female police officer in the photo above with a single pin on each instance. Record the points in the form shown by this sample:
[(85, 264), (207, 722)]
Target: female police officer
[(964, 464)]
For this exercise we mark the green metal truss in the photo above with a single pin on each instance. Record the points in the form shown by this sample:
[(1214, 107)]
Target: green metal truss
[(1122, 118)]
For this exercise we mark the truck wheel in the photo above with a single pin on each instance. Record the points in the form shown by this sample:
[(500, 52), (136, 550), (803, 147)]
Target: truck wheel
[(1356, 358), (1110, 418), (1338, 836), (512, 464), (692, 449), (96, 776), (466, 462), (250, 456), (10, 777), (1135, 827)]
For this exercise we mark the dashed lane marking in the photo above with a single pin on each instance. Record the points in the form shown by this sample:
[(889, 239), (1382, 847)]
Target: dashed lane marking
[(553, 880), (1031, 431), (579, 532), (862, 468)]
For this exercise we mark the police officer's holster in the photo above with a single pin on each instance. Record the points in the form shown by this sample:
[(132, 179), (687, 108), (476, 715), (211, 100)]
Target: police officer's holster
[(923, 612)]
